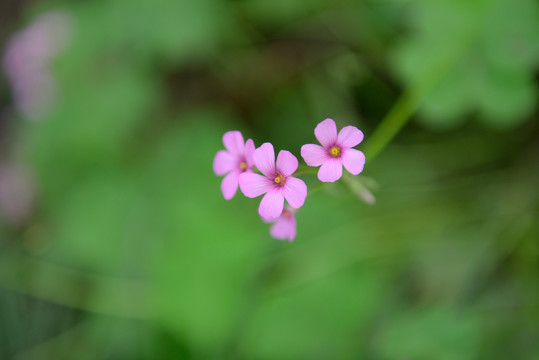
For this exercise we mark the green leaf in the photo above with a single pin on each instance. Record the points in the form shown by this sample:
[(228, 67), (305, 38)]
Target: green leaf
[(436, 333), (494, 72)]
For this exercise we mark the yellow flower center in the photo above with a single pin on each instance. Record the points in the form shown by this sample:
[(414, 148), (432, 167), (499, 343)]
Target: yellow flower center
[(279, 179), (243, 165), (335, 151), (286, 213)]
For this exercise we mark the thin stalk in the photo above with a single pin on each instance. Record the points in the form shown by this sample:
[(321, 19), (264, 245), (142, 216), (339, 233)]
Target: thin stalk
[(412, 99)]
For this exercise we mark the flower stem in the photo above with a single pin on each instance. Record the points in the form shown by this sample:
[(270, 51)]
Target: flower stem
[(390, 126), (413, 97)]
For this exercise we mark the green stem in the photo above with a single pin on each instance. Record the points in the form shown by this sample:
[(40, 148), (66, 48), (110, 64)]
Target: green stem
[(306, 170), (390, 126), (410, 101)]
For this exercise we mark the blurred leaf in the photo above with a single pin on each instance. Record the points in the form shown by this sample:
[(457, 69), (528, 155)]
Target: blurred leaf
[(322, 319), (97, 224), (170, 28), (436, 333), (186, 28), (282, 11), (89, 131), (206, 244), (494, 74), (506, 97)]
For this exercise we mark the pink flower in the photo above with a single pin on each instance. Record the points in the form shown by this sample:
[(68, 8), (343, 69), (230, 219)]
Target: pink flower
[(275, 182), (336, 151), (284, 227), (235, 160)]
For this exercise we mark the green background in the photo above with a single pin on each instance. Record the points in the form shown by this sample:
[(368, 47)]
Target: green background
[(127, 249)]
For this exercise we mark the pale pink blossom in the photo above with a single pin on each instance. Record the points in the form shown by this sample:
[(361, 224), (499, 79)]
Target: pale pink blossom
[(284, 227), (234, 161), (336, 151), (276, 182), (27, 62)]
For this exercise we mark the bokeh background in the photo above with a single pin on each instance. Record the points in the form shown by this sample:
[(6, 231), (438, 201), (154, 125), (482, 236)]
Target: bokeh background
[(116, 243)]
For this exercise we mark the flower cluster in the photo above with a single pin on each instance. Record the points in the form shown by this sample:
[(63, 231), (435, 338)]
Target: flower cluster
[(256, 171)]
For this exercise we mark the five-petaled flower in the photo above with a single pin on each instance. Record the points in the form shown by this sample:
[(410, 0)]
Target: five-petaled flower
[(336, 151), (234, 161), (276, 182), (284, 227), (242, 163)]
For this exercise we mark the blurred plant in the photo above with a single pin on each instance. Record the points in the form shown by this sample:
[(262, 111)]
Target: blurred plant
[(28, 59), (430, 334), (17, 193), (498, 45)]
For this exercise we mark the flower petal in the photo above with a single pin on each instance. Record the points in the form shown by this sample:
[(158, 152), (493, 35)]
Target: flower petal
[(295, 192), (314, 155), (349, 136), (326, 132), (223, 163), (330, 171), (253, 185), (233, 141), (284, 229), (264, 158), (249, 151), (272, 204), (286, 163), (229, 185), (353, 160)]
